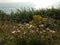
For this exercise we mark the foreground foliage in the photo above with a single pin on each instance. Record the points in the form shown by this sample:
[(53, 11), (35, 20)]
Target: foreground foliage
[(36, 32), (30, 27)]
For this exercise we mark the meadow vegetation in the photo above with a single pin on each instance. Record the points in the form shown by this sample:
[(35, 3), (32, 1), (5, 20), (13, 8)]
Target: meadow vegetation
[(30, 27)]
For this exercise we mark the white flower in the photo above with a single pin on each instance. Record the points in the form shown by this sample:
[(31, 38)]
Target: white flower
[(41, 32), (21, 27), (44, 30), (32, 31), (18, 30), (41, 25), (13, 31), (27, 24), (47, 29), (52, 31), (37, 30), (30, 25), (24, 33)]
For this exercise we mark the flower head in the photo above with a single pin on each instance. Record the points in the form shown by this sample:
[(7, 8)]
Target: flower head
[(52, 31), (41, 25), (18, 30), (27, 24), (41, 32), (44, 30), (13, 32), (24, 33), (45, 19), (47, 29)]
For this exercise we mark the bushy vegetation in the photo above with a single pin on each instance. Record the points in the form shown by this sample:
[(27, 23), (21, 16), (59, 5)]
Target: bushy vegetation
[(30, 27)]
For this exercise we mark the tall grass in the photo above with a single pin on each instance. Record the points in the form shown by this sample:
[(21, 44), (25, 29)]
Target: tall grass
[(30, 27)]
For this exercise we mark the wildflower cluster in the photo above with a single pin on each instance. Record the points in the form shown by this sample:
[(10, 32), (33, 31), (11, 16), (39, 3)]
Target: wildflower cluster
[(33, 32), (38, 20)]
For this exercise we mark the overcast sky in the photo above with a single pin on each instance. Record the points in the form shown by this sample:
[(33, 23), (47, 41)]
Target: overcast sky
[(38, 3)]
